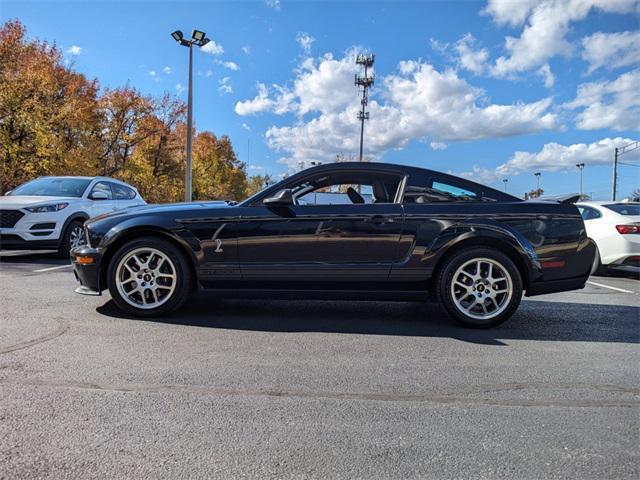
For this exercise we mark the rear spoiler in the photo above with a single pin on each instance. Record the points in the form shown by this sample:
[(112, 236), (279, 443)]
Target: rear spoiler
[(564, 199)]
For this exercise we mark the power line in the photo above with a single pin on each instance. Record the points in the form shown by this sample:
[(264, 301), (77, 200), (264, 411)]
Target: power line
[(629, 147)]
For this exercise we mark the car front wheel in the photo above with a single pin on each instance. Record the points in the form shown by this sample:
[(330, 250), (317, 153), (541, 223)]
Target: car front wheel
[(149, 277), (479, 287), (73, 237)]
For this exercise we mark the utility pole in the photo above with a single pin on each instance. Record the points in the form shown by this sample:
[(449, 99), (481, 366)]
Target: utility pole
[(629, 147), (614, 180), (505, 180), (365, 82), (581, 167)]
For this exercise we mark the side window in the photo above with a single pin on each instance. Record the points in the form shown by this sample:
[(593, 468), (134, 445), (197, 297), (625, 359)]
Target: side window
[(589, 213), (346, 188), (104, 188), (418, 191), (120, 192)]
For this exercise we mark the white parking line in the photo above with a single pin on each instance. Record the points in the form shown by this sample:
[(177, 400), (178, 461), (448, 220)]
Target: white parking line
[(51, 268), (612, 288)]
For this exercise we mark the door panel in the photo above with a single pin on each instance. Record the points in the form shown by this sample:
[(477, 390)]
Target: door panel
[(341, 242)]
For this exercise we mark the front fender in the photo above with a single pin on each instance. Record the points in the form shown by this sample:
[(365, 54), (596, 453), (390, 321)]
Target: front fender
[(158, 225)]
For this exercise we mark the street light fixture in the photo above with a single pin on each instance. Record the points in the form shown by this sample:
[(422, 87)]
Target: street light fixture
[(581, 168), (537, 174), (505, 180), (198, 39)]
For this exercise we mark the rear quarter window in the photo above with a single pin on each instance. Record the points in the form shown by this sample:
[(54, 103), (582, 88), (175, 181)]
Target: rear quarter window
[(631, 209)]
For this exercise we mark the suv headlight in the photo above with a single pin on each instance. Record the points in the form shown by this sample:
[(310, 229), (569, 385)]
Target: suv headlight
[(54, 207)]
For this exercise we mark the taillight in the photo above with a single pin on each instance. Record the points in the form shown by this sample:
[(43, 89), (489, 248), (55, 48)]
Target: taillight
[(625, 229)]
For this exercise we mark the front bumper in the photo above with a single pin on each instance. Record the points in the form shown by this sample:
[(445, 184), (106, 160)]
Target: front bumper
[(88, 274)]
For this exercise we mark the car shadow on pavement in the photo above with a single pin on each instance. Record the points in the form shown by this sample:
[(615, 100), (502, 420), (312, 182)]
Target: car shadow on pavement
[(539, 320)]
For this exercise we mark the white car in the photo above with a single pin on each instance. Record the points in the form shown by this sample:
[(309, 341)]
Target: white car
[(615, 228), (48, 213)]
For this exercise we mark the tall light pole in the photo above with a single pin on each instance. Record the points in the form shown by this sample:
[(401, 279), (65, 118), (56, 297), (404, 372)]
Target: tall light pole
[(581, 167), (537, 174), (198, 39), (505, 180)]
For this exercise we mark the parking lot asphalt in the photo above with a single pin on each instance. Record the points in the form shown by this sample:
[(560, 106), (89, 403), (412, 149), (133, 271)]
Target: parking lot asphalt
[(314, 389)]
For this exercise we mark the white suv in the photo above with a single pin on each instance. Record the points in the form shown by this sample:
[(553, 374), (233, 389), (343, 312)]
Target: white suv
[(48, 213)]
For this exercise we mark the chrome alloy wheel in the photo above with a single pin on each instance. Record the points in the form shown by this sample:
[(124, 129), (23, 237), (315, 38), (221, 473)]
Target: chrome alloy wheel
[(146, 278), (76, 237), (481, 288)]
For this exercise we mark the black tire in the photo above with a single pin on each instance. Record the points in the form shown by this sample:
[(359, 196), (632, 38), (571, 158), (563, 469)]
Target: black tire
[(445, 278), (183, 277), (597, 268), (66, 244)]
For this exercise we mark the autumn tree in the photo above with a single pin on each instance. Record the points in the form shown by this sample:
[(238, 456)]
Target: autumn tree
[(217, 172), (54, 121), (48, 115)]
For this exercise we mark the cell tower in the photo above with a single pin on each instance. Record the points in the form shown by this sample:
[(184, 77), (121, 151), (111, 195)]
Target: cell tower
[(365, 81)]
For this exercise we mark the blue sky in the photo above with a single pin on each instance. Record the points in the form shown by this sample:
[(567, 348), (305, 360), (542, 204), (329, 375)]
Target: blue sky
[(489, 90)]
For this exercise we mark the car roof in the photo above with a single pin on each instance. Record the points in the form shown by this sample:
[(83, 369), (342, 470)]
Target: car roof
[(397, 169), (80, 177), (601, 203)]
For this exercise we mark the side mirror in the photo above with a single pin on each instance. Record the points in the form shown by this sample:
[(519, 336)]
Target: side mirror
[(9, 192), (98, 196), (280, 199)]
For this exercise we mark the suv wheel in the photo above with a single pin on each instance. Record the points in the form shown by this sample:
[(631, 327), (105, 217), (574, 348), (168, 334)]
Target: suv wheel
[(479, 287), (73, 237), (149, 277)]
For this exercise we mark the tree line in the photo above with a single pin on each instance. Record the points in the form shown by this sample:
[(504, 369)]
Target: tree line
[(56, 121)]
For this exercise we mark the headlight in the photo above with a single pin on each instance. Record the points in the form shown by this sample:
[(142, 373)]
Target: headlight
[(54, 207)]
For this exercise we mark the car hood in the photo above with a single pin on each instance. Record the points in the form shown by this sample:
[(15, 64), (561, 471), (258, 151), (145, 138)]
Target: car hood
[(162, 208), (22, 201)]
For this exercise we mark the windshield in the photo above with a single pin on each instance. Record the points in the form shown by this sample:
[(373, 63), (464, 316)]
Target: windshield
[(53, 187), (625, 208)]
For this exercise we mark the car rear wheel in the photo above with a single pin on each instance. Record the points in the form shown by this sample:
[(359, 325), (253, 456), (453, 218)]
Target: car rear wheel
[(597, 268), (479, 287), (73, 237), (149, 277)]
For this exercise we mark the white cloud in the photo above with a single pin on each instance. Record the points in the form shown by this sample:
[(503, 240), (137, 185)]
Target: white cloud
[(611, 50), (259, 168), (545, 72), (546, 24), (275, 4), (556, 158), (417, 103), (74, 50), (209, 73), (230, 65), (152, 73), (224, 87), (553, 157), (246, 127), (609, 104), (260, 103), (305, 41), (167, 70), (180, 88), (246, 50), (438, 145), (213, 48), (470, 58)]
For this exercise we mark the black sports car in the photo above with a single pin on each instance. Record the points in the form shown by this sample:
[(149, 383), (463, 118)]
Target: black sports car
[(343, 230)]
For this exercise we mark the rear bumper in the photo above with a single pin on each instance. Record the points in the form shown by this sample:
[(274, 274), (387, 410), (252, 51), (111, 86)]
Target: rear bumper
[(555, 286), (87, 274)]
